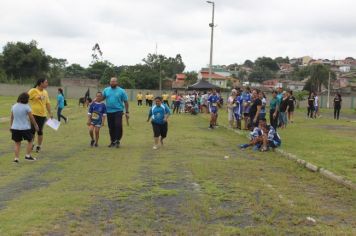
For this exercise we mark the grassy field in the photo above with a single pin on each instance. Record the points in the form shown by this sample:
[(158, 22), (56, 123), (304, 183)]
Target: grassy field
[(188, 187), (325, 142)]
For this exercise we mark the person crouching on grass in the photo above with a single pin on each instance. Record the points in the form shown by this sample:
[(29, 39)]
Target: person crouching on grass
[(21, 116), (96, 118), (159, 114)]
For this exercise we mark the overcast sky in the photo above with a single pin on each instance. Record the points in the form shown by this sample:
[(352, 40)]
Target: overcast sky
[(127, 30)]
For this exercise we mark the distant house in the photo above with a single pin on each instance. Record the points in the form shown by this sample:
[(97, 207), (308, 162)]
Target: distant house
[(179, 82), (345, 69), (216, 79), (341, 83), (293, 85), (272, 83)]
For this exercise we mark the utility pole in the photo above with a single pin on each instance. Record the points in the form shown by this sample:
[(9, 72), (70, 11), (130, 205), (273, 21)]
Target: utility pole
[(328, 103), (212, 25)]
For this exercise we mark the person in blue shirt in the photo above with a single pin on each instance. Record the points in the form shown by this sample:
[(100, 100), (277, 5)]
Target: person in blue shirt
[(213, 100), (60, 105), (96, 118), (246, 105), (237, 109), (158, 115), (116, 104)]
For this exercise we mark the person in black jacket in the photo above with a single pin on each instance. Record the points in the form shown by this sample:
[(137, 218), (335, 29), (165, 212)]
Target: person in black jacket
[(337, 105), (291, 104), (311, 99)]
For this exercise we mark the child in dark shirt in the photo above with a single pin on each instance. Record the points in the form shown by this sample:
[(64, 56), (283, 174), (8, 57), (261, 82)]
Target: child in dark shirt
[(96, 118)]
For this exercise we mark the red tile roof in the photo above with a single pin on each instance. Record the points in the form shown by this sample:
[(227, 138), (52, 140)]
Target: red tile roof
[(205, 75), (181, 76)]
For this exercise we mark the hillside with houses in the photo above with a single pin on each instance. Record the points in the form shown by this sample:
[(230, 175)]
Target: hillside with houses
[(290, 74)]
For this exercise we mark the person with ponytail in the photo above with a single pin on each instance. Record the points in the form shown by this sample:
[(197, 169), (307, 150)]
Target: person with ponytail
[(41, 108), (60, 105)]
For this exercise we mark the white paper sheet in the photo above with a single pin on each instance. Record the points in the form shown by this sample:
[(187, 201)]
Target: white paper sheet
[(53, 123)]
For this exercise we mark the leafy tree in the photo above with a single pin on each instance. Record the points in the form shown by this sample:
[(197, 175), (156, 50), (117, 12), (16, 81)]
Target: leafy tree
[(192, 77), (280, 60), (75, 71), (57, 70), (171, 66), (267, 62), (319, 75), (260, 74), (248, 63), (22, 60), (109, 72), (96, 69), (126, 82)]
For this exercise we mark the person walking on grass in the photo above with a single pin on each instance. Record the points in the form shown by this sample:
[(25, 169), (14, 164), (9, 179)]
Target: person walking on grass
[(283, 106), (116, 104), (337, 105), (60, 105), (20, 127), (291, 105), (41, 108), (213, 104), (96, 118), (158, 115), (310, 105)]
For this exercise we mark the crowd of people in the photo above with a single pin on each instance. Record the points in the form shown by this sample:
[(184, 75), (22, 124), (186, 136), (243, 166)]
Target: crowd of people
[(247, 109)]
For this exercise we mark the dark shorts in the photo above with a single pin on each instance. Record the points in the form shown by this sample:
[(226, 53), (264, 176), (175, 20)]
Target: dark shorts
[(160, 130), (291, 109), (19, 135), (40, 120)]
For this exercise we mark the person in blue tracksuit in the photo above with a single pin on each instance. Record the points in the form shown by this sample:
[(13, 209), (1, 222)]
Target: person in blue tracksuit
[(158, 115)]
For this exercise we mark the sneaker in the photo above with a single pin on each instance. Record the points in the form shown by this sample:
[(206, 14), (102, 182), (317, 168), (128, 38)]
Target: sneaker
[(96, 145), (155, 147), (111, 145), (211, 127), (30, 158), (38, 149), (16, 161), (117, 144), (92, 143), (243, 146)]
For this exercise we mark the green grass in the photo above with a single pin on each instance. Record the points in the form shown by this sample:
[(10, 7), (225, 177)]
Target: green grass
[(184, 188), (324, 142)]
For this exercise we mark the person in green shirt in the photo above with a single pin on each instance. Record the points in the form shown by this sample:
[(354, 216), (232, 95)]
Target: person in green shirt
[(273, 110)]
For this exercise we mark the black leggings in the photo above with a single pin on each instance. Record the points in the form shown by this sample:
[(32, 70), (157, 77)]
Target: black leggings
[(336, 112), (310, 111), (115, 125), (59, 114), (273, 121)]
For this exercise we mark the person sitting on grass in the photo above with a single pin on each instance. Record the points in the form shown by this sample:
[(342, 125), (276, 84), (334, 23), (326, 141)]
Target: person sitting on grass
[(271, 138), (158, 115), (256, 136), (20, 126), (96, 118)]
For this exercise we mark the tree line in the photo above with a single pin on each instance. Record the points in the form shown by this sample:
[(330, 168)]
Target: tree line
[(25, 62)]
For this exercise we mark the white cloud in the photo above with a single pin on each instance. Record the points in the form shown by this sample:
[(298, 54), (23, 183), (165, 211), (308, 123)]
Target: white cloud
[(127, 30)]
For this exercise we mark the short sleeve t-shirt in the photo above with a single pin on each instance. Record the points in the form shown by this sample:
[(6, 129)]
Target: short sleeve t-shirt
[(257, 102), (158, 112), (60, 100), (115, 98), (214, 99), (20, 112), (291, 101), (97, 111), (38, 101), (139, 96), (273, 104)]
